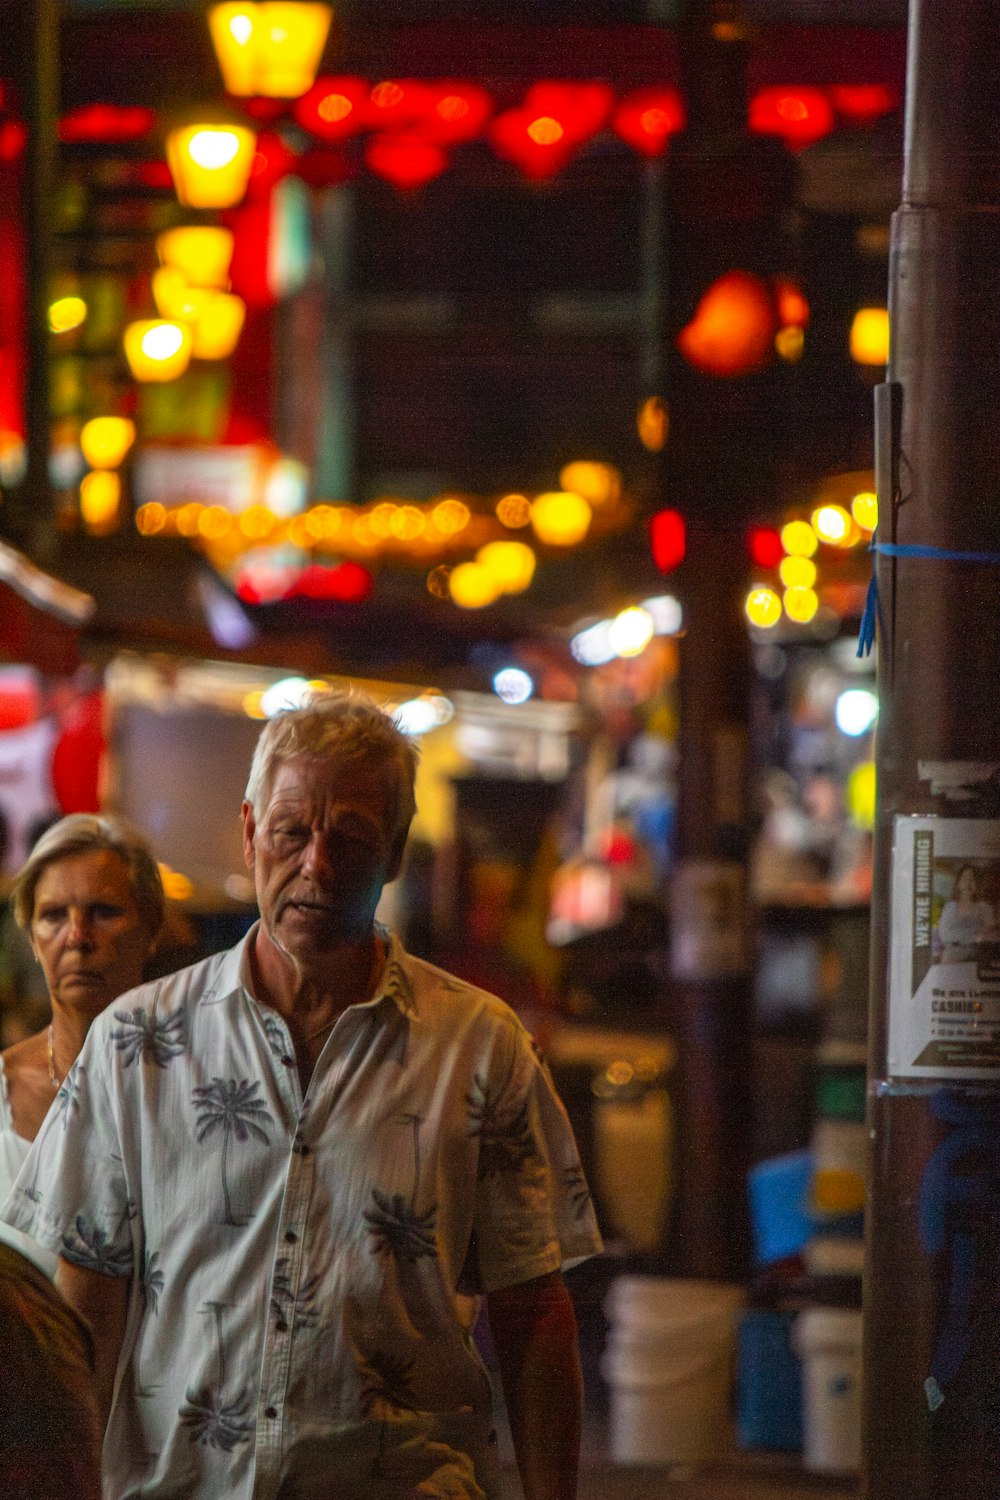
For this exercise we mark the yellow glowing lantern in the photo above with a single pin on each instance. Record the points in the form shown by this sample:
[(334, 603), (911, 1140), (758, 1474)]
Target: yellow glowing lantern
[(272, 48), (799, 539), (762, 607), (202, 253), (450, 516), (218, 326), (832, 524), (100, 494), (512, 564), (106, 440), (175, 298), (472, 586), (408, 524), (869, 338), (800, 604), (157, 349), (210, 164), (597, 483), (560, 518), (380, 519), (514, 511), (864, 509), (797, 572), (67, 313)]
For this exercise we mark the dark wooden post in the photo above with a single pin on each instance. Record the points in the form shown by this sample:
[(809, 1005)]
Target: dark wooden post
[(724, 193), (932, 1293)]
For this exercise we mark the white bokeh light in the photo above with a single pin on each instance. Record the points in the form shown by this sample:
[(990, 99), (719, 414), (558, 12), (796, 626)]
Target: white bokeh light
[(856, 711), (513, 685)]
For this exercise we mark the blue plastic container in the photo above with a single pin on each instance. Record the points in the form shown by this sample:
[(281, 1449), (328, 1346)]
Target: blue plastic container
[(768, 1382), (779, 1197)]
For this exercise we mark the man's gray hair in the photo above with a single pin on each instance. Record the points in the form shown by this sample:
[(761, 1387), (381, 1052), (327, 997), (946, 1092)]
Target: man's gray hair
[(84, 833), (342, 726)]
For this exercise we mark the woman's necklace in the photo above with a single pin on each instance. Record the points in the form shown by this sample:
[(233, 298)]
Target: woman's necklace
[(57, 1083)]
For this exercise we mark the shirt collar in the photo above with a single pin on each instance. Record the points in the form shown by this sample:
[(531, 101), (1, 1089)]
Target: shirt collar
[(394, 983)]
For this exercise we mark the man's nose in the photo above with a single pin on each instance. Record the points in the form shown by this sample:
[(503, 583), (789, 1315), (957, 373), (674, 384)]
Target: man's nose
[(317, 860)]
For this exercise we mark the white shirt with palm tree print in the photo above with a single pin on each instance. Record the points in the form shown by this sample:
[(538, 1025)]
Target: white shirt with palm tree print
[(304, 1269)]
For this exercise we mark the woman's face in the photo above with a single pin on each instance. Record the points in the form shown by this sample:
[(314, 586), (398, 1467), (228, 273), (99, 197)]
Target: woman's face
[(87, 931), (965, 886)]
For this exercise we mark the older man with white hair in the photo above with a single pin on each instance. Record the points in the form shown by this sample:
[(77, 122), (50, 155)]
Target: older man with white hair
[(290, 1171)]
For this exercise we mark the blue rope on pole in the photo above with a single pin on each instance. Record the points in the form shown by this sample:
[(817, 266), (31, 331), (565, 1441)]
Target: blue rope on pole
[(866, 632)]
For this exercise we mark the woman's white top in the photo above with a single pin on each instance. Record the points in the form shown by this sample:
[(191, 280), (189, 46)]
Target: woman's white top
[(13, 1149)]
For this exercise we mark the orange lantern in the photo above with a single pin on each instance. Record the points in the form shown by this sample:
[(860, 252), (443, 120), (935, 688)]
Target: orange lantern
[(732, 331)]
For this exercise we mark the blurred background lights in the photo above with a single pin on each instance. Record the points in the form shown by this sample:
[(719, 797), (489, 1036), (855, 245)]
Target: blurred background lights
[(157, 350), (66, 313), (592, 646), (652, 423), (600, 484), (513, 685), (200, 252), (856, 711), (665, 612), (100, 494), (514, 511), (420, 715), (832, 524), (860, 794), (511, 564), (864, 509), (472, 586), (272, 48), (450, 516), (290, 692), (210, 164), (561, 518), (799, 539), (631, 631), (763, 608), (789, 344), (800, 604), (869, 337), (106, 440), (797, 572)]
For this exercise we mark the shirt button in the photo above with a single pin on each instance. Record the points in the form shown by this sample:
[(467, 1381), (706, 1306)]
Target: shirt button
[(287, 1060), (281, 1326), (271, 1411), (290, 1236)]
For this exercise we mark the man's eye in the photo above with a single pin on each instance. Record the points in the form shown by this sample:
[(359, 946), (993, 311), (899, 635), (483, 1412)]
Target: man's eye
[(105, 912), (51, 916)]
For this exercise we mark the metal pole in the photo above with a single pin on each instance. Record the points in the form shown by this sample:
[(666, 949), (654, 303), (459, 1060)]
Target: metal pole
[(932, 1297)]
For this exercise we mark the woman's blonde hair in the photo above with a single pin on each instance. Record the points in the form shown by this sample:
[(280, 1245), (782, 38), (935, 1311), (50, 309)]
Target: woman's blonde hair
[(80, 833)]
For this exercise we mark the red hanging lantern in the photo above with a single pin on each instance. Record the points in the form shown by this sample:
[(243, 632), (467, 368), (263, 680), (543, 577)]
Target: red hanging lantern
[(456, 111), (334, 108), (668, 539), (800, 116), (105, 123), (407, 161), (764, 547), (861, 102), (582, 109), (396, 104), (647, 118)]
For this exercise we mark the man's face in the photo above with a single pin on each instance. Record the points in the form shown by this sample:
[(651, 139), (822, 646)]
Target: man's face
[(324, 847)]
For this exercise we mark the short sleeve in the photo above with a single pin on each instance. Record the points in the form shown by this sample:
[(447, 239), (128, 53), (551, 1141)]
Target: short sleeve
[(71, 1194), (533, 1211)]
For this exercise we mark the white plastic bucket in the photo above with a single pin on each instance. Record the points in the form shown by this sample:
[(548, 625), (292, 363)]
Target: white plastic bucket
[(828, 1341), (669, 1363)]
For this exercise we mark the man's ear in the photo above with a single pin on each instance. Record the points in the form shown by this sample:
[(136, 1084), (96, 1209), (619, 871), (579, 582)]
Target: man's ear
[(249, 832), (396, 858)]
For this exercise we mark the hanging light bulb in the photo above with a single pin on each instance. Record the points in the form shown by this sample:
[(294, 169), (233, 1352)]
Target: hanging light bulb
[(273, 48), (210, 164)]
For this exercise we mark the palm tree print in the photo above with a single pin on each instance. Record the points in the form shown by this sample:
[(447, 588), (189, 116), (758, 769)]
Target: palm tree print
[(577, 1191), (277, 1041), (396, 1225), (214, 1422), (506, 1140), (87, 1246), (140, 1034), (388, 1378), (234, 1109), (150, 1287), (294, 1312), (67, 1099)]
